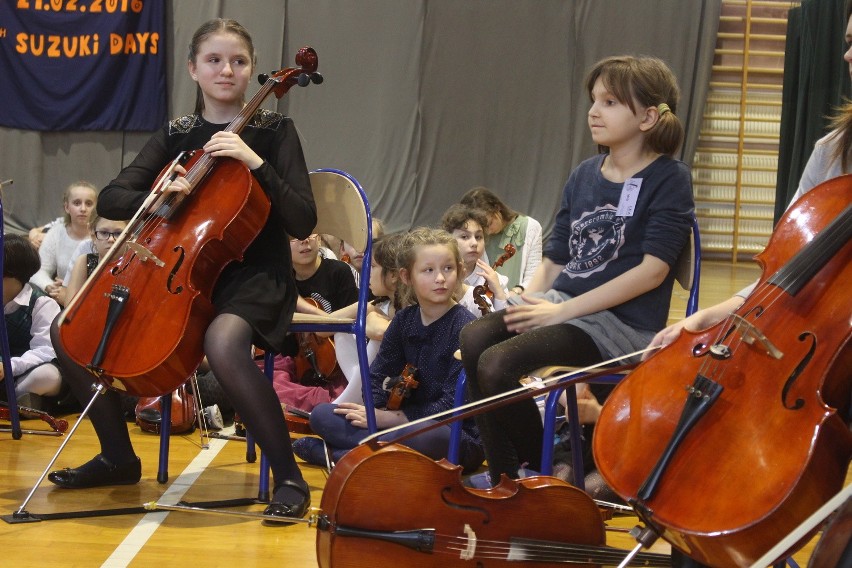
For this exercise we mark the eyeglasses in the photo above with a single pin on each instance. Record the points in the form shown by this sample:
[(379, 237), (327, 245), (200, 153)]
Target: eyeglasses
[(308, 238), (105, 235)]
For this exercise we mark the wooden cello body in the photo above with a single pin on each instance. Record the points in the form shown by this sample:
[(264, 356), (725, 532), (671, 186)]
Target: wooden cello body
[(157, 340), (139, 320), (395, 507), (732, 436)]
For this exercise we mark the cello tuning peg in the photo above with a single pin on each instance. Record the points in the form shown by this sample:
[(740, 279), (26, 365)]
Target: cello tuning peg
[(316, 78), (304, 80), (262, 78)]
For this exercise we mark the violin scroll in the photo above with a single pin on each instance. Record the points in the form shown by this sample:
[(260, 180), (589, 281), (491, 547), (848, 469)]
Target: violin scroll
[(482, 291)]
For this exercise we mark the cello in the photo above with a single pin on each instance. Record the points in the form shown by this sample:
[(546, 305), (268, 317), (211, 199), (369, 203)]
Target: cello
[(737, 433), (540, 521), (138, 322)]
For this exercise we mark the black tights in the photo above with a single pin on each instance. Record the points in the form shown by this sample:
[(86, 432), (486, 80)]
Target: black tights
[(494, 359), (227, 343)]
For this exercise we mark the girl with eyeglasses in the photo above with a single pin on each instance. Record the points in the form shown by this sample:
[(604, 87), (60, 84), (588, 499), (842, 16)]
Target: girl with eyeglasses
[(103, 232)]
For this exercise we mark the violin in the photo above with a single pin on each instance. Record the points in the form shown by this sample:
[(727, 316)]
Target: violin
[(58, 425), (298, 421), (738, 433), (138, 321), (540, 520), (401, 388), (183, 417), (483, 291), (316, 359)]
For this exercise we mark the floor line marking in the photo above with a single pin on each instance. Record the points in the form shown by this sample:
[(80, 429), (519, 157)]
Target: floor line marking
[(127, 550)]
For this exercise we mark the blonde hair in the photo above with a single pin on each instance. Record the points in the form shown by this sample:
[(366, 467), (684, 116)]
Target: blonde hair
[(407, 256), (66, 196), (649, 82)]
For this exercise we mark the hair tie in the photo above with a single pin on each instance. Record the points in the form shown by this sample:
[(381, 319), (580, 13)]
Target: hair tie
[(663, 108)]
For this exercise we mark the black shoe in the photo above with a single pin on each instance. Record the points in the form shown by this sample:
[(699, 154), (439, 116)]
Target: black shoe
[(97, 472), (289, 510)]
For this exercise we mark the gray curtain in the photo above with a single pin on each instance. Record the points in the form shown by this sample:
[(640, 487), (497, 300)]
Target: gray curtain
[(816, 80), (422, 99)]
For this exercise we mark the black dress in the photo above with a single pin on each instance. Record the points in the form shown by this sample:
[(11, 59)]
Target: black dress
[(261, 288)]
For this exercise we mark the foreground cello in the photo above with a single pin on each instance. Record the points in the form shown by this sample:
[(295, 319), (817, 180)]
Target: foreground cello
[(392, 506), (732, 436), (387, 505), (138, 322)]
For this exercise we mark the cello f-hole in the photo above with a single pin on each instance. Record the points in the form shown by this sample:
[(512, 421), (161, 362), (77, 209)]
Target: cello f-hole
[(181, 254), (798, 371)]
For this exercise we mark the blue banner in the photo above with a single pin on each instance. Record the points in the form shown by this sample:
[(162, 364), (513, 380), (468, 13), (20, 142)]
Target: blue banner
[(82, 64)]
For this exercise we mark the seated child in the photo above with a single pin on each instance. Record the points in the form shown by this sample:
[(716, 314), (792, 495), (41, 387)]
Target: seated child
[(424, 335), (329, 284), (355, 258), (384, 276), (29, 313), (104, 232), (467, 225)]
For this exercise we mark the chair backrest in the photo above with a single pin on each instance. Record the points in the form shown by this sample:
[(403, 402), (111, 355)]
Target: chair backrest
[(341, 209), (688, 268), (687, 265)]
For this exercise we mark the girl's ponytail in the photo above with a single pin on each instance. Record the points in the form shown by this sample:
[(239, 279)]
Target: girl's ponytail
[(666, 136)]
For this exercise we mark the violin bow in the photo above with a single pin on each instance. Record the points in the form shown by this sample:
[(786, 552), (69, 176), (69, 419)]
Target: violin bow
[(509, 397)]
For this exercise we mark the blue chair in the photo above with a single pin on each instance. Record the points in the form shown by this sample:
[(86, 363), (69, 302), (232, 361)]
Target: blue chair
[(14, 416), (343, 211), (688, 275)]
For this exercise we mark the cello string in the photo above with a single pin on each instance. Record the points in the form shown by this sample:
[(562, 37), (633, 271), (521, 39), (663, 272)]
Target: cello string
[(544, 551), (768, 294), (455, 544), (205, 162)]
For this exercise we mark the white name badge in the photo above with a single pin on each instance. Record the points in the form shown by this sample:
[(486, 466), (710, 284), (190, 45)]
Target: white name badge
[(629, 195)]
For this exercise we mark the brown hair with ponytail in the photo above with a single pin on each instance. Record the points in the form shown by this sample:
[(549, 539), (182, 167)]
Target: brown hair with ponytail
[(646, 82)]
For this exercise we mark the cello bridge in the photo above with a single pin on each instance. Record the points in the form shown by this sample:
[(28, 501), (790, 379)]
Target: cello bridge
[(752, 334), (144, 254)]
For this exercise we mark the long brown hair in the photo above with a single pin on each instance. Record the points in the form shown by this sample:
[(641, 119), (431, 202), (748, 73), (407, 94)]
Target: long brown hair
[(486, 200), (207, 29), (386, 254), (841, 125)]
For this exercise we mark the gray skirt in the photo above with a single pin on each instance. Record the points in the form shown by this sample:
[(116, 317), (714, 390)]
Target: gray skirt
[(612, 336)]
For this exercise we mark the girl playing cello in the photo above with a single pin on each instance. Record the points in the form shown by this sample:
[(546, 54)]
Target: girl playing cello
[(254, 298)]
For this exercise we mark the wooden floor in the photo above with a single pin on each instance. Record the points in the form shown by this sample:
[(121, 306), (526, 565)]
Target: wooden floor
[(220, 472)]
